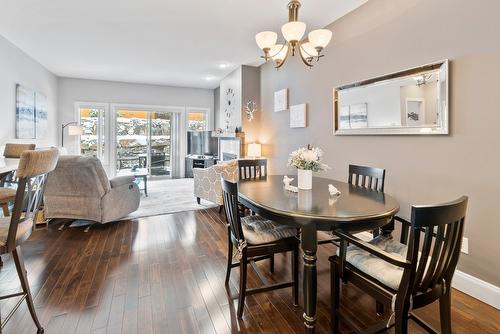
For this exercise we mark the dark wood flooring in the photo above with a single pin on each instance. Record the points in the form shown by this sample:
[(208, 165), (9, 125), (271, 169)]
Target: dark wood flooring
[(165, 274)]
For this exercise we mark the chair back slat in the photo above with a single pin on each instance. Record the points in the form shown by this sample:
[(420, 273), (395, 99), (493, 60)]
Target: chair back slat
[(230, 197), (368, 177), (442, 227), (33, 170), (252, 169)]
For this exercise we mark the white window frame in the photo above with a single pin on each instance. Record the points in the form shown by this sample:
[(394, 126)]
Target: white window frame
[(105, 158), (208, 118)]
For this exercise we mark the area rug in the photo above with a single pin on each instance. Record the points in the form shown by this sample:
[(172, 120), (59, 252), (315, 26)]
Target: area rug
[(168, 196)]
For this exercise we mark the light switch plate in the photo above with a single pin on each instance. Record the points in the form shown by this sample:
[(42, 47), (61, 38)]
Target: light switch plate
[(465, 245)]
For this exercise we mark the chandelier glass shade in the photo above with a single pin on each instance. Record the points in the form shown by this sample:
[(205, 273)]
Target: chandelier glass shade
[(293, 31)]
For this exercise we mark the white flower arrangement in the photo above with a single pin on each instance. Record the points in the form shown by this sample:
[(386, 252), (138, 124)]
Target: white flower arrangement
[(307, 158)]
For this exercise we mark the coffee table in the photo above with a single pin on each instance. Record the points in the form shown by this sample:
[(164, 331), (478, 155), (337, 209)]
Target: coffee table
[(139, 174)]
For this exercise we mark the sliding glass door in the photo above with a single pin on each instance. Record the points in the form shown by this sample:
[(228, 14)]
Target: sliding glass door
[(144, 140)]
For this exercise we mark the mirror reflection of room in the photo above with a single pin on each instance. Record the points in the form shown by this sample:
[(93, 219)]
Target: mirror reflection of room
[(413, 100)]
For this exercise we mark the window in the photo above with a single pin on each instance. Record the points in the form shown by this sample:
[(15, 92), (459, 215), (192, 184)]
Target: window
[(197, 120), (93, 138)]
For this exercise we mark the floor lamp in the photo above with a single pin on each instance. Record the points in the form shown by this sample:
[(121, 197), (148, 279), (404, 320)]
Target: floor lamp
[(74, 129)]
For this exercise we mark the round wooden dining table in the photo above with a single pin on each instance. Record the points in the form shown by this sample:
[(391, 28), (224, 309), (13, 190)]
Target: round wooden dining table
[(355, 209)]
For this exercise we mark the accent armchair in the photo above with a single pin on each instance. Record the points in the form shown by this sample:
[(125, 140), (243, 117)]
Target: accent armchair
[(79, 189), (207, 183)]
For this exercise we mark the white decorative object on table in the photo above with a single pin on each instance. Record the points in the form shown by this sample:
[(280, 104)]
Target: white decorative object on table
[(306, 160), (281, 100), (286, 181), (333, 191), (304, 180), (298, 116)]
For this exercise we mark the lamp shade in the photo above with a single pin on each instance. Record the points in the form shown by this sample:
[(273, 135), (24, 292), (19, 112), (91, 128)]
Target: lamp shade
[(75, 130), (308, 50), (279, 52), (254, 150), (320, 38), (293, 31), (266, 39)]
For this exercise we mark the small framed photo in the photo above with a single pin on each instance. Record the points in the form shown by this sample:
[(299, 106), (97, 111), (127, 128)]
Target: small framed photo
[(281, 100), (298, 116)]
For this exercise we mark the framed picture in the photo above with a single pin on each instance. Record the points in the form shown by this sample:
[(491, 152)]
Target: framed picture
[(25, 113), (344, 122), (415, 111), (281, 100), (358, 115), (41, 116), (298, 116)]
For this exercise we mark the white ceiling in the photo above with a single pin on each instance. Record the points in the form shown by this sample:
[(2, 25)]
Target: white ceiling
[(179, 43)]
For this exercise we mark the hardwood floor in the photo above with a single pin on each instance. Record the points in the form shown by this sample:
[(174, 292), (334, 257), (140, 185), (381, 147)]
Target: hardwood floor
[(165, 274)]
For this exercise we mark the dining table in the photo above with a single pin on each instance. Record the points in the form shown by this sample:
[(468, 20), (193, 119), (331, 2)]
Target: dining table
[(7, 165), (354, 209)]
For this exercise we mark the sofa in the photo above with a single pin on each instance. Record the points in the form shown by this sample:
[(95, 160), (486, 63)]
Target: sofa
[(207, 183), (79, 188)]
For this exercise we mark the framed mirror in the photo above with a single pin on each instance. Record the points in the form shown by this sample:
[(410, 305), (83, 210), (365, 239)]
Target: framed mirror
[(409, 102)]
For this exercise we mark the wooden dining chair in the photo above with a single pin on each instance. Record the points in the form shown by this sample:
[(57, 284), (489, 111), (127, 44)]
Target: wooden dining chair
[(252, 168), (8, 194), (14, 230), (369, 177), (404, 275), (255, 239)]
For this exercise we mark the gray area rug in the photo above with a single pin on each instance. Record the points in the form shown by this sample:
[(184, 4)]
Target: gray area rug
[(168, 196)]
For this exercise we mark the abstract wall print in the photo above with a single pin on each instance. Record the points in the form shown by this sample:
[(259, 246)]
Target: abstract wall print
[(25, 113), (41, 115), (298, 116), (358, 115), (281, 100), (415, 111), (344, 122)]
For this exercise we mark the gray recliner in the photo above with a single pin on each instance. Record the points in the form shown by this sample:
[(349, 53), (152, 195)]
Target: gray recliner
[(79, 188)]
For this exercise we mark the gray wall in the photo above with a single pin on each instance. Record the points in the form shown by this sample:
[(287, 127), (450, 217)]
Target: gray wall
[(231, 81), (16, 67), (82, 90), (384, 36), (216, 107)]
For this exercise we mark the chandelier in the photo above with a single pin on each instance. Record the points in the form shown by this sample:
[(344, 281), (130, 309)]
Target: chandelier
[(293, 31)]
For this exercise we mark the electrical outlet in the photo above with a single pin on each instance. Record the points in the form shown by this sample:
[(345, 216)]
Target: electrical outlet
[(465, 245)]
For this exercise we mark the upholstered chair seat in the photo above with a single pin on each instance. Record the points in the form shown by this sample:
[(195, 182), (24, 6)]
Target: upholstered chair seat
[(384, 272), (23, 230), (258, 230), (7, 194)]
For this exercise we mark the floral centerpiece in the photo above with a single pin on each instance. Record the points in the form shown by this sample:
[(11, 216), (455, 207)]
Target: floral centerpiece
[(306, 160)]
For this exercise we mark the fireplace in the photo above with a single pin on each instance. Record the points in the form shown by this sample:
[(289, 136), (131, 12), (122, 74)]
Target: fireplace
[(231, 146)]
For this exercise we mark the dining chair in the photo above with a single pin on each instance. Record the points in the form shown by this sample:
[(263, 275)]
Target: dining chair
[(252, 168), (255, 239), (7, 195), (14, 230), (404, 275), (364, 176), (368, 177)]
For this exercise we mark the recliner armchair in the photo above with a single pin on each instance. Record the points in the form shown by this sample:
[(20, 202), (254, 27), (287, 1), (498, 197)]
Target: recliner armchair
[(79, 188)]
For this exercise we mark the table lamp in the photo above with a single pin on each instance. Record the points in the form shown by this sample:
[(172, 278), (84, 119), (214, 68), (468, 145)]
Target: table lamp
[(254, 150)]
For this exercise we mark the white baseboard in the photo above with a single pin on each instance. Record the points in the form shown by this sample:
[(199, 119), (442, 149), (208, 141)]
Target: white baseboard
[(479, 289)]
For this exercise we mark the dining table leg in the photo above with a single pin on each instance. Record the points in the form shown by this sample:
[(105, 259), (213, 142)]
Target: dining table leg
[(309, 244)]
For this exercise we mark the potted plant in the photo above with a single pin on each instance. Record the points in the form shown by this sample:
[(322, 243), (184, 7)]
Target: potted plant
[(306, 160)]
